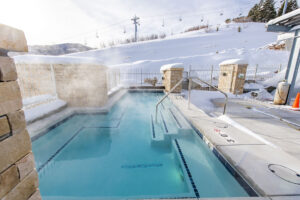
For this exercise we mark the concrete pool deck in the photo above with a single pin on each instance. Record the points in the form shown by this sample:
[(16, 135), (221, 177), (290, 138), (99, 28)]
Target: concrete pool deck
[(250, 156), (278, 125)]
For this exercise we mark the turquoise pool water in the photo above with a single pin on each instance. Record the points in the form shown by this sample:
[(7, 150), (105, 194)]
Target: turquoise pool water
[(113, 155)]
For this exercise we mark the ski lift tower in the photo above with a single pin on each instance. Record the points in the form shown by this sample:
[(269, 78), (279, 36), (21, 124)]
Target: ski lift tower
[(289, 23)]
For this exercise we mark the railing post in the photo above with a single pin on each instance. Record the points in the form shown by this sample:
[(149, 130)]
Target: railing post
[(119, 80), (141, 77), (211, 76), (280, 67), (189, 94), (256, 67)]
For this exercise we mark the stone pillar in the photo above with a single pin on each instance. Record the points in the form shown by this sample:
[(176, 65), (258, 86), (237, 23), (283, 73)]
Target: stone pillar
[(172, 74), (232, 76), (18, 177)]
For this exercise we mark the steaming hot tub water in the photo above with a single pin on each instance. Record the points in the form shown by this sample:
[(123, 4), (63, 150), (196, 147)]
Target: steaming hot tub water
[(115, 155)]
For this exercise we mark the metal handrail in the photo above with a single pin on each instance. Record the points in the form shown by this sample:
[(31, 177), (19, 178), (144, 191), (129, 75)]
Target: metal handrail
[(190, 86), (166, 95)]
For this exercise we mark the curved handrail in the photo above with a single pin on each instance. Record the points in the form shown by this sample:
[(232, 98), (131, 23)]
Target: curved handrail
[(190, 85), (166, 95)]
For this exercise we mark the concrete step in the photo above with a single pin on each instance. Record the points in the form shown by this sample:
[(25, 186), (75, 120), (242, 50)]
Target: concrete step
[(183, 125), (157, 131), (169, 123)]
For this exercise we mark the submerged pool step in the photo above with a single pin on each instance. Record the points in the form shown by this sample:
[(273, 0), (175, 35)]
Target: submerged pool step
[(182, 124), (169, 123), (157, 132)]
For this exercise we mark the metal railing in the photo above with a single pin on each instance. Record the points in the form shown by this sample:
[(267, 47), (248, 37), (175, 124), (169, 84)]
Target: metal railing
[(190, 86), (165, 96), (258, 72)]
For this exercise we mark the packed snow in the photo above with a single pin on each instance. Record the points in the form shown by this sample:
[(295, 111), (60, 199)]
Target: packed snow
[(203, 99), (171, 66), (43, 110), (198, 49), (37, 99), (37, 107), (234, 61)]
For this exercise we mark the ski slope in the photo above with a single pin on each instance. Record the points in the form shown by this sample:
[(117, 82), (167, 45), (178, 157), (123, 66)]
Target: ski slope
[(200, 49), (78, 21)]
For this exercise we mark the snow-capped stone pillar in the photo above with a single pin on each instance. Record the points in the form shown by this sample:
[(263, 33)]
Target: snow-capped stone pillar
[(232, 76), (172, 74)]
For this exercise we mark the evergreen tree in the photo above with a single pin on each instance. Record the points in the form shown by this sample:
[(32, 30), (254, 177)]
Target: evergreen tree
[(253, 13), (292, 5), (267, 11), (258, 12)]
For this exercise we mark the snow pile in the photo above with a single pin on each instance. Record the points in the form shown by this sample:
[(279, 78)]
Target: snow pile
[(253, 86), (171, 66), (114, 90), (43, 110), (40, 106), (203, 99), (37, 99), (234, 61), (276, 79), (261, 94)]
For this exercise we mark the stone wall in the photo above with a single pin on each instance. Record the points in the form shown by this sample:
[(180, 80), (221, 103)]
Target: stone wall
[(35, 79), (18, 177), (80, 85)]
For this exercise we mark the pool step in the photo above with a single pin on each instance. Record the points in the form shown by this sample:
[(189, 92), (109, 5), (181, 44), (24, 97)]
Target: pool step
[(182, 125), (157, 132), (169, 123)]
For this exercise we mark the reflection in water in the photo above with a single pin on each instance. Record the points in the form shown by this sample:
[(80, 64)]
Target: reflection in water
[(89, 144)]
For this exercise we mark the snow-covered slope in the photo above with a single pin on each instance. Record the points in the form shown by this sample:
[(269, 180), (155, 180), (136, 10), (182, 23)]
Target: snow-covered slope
[(60, 21), (200, 49)]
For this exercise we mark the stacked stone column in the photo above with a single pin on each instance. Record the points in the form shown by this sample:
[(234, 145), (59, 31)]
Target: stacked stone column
[(171, 77), (232, 76), (18, 177)]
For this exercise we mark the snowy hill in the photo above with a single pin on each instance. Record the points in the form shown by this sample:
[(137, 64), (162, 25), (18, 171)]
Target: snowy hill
[(159, 17), (111, 20), (58, 49), (201, 49)]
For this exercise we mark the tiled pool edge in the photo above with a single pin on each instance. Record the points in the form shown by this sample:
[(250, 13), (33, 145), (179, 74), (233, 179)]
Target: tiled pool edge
[(232, 170), (196, 192)]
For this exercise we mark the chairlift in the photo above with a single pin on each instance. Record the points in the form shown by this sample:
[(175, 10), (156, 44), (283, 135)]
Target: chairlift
[(97, 35), (180, 19), (163, 23)]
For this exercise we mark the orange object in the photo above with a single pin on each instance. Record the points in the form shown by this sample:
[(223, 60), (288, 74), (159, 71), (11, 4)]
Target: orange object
[(296, 102)]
